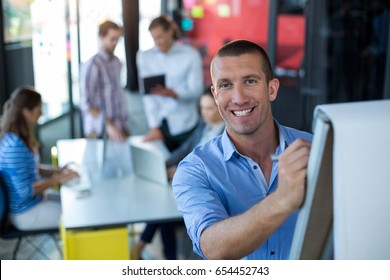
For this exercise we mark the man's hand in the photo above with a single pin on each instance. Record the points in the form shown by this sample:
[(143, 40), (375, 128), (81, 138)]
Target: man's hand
[(114, 133), (292, 174), (154, 134)]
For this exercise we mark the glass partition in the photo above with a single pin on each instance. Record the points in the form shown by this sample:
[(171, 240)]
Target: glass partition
[(91, 14), (148, 10), (49, 56), (67, 32)]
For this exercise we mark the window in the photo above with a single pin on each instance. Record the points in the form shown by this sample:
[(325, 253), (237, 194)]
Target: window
[(92, 13), (53, 49), (49, 56), (148, 10)]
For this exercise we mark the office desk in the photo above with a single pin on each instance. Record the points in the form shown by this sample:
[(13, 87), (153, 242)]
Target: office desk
[(118, 201), (117, 197)]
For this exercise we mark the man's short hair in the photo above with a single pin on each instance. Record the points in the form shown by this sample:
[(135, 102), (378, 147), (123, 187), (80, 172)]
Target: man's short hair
[(240, 47), (105, 26)]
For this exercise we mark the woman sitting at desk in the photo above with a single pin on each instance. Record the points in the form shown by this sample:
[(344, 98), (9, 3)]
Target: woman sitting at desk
[(211, 126), (20, 170)]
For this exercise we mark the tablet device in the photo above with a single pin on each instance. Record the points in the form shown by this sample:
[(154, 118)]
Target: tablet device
[(150, 82)]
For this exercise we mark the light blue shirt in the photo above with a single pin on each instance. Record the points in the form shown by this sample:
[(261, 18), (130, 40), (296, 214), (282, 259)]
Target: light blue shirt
[(19, 170), (182, 67), (216, 182)]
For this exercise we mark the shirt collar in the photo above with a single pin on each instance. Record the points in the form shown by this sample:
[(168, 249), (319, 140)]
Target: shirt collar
[(283, 143), (230, 150), (105, 55), (173, 49)]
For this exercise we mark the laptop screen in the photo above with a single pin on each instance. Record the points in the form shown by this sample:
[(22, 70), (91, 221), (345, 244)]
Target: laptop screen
[(149, 164)]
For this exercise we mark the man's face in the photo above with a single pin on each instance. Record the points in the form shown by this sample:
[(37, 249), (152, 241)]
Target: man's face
[(242, 92), (162, 38), (111, 39)]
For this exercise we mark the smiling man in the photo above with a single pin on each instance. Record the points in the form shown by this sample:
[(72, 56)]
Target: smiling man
[(236, 202)]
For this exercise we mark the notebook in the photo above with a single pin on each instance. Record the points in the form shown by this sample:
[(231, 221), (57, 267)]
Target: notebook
[(149, 164)]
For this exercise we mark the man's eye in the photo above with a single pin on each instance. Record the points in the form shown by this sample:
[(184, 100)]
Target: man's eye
[(224, 85), (250, 81)]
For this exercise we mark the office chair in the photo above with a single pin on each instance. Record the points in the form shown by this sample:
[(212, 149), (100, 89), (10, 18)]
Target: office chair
[(8, 231)]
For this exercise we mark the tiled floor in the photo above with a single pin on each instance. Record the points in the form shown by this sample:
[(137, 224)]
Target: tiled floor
[(26, 251)]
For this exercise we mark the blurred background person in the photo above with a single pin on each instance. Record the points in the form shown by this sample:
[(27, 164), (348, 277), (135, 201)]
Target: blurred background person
[(171, 110), (210, 125), (29, 206), (103, 101)]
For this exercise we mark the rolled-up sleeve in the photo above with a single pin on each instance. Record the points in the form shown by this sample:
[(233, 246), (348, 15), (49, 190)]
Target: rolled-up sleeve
[(200, 205)]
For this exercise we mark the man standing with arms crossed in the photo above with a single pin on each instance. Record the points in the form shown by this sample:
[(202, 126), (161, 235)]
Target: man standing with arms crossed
[(237, 203)]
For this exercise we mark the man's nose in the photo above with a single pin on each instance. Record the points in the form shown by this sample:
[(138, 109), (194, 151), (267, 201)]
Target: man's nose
[(239, 95)]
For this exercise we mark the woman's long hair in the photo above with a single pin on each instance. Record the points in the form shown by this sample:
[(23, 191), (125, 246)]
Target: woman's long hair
[(13, 119), (166, 23)]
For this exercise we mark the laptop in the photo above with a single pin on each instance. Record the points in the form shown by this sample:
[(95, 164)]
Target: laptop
[(149, 164)]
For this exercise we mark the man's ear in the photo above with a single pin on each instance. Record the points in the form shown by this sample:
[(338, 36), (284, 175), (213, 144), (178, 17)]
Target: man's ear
[(273, 88)]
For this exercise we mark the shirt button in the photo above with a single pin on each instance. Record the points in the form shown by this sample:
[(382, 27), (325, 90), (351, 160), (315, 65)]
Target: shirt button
[(272, 252), (254, 167)]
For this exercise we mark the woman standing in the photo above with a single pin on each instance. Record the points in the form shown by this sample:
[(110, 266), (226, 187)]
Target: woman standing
[(171, 109), (21, 172)]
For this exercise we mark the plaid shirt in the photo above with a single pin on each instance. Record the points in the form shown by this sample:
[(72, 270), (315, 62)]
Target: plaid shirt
[(100, 88)]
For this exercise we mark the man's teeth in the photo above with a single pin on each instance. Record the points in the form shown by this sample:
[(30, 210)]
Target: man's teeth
[(242, 113)]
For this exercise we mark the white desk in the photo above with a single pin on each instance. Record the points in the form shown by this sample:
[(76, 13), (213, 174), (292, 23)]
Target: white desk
[(118, 201), (117, 197)]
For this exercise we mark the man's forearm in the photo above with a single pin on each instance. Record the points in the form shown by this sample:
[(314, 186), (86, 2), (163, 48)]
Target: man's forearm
[(238, 236)]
